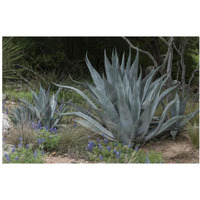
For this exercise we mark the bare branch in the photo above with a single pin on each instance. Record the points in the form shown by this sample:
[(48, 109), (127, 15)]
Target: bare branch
[(141, 51), (177, 75), (192, 76), (165, 41)]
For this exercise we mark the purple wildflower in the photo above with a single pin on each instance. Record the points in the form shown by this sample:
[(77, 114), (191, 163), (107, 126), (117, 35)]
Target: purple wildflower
[(20, 139), (115, 151), (42, 139), (17, 158), (106, 141), (100, 147), (4, 139), (39, 141), (35, 154), (55, 130), (13, 150), (27, 146), (46, 128), (49, 137), (109, 149), (115, 144), (101, 157), (136, 148), (42, 152), (19, 145), (118, 154), (98, 140), (52, 129)]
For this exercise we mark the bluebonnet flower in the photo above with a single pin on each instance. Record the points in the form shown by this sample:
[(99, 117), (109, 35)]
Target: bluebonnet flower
[(98, 140), (88, 136), (52, 129), (106, 141), (13, 150), (115, 144), (55, 130), (42, 133), (39, 141), (19, 145), (123, 144), (136, 148), (42, 139), (7, 111), (3, 107), (91, 143), (39, 126), (102, 134), (20, 139), (17, 158), (46, 128), (89, 147), (8, 158), (27, 146), (129, 146), (14, 146), (118, 154), (101, 157), (42, 152), (49, 137), (36, 127), (75, 124), (4, 139), (5, 154), (35, 154), (115, 151), (100, 147), (109, 149)]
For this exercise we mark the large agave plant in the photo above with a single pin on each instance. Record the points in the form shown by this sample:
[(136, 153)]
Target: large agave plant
[(124, 103), (44, 108)]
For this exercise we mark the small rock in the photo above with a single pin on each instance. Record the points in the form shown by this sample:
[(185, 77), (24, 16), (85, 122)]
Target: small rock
[(4, 96)]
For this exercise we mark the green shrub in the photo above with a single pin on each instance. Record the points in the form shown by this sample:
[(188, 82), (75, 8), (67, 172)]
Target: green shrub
[(112, 152), (24, 155), (49, 138)]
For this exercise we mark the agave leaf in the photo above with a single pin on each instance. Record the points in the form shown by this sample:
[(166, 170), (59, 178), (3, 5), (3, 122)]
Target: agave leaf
[(187, 118), (154, 133), (31, 107), (134, 67), (108, 69), (93, 122), (79, 92), (95, 75), (105, 102), (91, 127)]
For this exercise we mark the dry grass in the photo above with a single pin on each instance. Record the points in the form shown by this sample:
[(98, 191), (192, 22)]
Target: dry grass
[(177, 150), (74, 140), (29, 136)]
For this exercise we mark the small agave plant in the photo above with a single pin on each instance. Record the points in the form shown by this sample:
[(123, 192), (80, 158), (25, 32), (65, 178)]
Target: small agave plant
[(179, 109), (124, 103), (44, 109)]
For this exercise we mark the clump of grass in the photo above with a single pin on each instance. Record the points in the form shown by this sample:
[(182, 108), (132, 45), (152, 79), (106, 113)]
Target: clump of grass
[(74, 139), (22, 133), (193, 133), (177, 150)]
